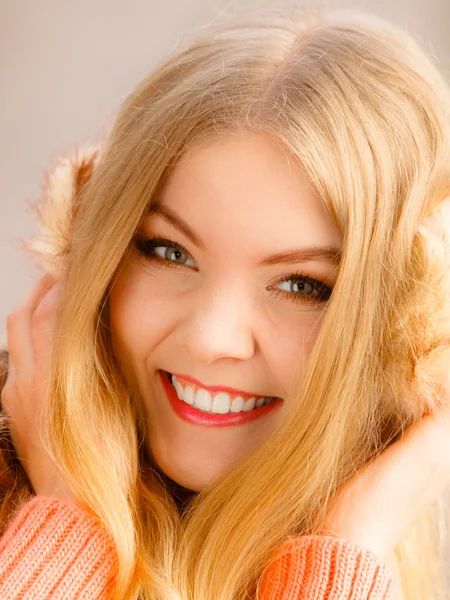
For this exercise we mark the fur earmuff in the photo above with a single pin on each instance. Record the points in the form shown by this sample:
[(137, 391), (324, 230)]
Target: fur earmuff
[(57, 208)]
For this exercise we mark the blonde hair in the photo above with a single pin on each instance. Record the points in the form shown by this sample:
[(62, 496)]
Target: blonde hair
[(367, 115)]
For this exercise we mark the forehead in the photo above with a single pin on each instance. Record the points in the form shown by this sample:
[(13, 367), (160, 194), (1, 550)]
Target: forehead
[(246, 185)]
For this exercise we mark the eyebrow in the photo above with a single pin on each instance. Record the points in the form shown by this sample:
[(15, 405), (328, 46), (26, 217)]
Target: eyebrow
[(318, 253)]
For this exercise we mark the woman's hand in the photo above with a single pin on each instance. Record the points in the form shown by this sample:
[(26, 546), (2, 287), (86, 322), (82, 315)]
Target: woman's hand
[(30, 331), (375, 508)]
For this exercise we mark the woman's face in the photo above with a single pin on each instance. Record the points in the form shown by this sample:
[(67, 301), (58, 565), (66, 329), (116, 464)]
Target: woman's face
[(225, 298)]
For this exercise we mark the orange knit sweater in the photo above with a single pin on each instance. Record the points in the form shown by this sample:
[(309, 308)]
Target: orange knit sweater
[(55, 550)]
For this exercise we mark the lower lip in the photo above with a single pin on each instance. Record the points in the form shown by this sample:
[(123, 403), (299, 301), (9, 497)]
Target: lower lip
[(192, 415)]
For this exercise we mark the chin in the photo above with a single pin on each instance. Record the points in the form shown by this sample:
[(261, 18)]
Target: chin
[(190, 475)]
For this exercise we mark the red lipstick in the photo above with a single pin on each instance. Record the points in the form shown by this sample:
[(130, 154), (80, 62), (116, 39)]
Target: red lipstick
[(193, 415), (216, 388)]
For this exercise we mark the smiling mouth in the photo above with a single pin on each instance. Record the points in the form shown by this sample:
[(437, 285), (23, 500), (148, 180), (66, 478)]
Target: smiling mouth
[(216, 402)]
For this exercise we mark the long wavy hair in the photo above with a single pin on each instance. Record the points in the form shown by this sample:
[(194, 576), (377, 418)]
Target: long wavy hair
[(367, 114)]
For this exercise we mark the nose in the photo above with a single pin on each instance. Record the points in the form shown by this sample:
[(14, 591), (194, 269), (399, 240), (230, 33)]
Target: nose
[(218, 325)]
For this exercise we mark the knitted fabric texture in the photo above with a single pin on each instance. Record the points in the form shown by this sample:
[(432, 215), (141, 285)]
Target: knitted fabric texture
[(325, 568), (55, 550)]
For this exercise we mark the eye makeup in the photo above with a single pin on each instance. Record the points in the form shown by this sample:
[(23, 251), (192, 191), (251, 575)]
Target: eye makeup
[(300, 282)]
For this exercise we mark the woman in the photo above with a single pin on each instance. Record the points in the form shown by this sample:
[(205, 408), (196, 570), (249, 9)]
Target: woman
[(247, 303)]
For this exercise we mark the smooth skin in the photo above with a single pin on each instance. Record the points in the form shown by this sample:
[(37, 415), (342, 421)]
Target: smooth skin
[(373, 510), (379, 504), (30, 332), (219, 311)]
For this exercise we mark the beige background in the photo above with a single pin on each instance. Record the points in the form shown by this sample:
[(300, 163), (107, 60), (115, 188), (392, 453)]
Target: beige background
[(65, 66)]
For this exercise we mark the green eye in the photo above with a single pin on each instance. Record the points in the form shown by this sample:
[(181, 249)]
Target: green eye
[(301, 287), (173, 254), (164, 250), (297, 287)]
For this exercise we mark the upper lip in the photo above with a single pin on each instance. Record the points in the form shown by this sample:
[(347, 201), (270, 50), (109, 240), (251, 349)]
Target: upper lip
[(218, 388)]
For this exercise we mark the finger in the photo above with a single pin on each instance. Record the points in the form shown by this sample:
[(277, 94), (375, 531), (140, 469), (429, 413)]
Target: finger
[(9, 392), (23, 367), (391, 492), (34, 325), (34, 296), (18, 326), (44, 320)]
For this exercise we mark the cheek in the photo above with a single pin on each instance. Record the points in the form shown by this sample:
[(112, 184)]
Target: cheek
[(138, 320), (292, 346)]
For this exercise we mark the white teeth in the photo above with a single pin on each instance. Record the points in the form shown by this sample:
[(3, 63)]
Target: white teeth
[(177, 385), (238, 404), (250, 404), (188, 395), (203, 400), (221, 403)]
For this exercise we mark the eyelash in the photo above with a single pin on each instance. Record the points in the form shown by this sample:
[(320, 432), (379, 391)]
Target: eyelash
[(145, 248)]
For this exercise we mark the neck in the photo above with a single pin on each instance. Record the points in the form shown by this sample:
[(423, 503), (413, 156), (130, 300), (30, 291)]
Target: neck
[(180, 494)]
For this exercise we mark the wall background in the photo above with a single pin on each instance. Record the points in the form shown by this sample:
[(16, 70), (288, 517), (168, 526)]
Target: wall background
[(66, 66)]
